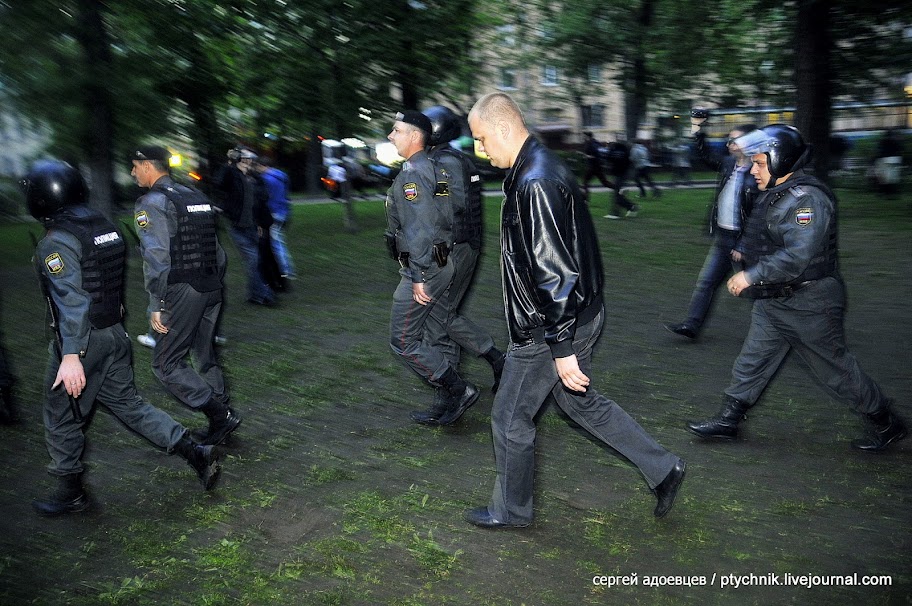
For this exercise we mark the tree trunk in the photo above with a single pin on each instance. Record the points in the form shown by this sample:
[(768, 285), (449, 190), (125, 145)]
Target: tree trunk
[(813, 80), (636, 99), (93, 37)]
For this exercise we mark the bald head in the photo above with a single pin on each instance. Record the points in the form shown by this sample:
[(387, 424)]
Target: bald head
[(498, 125)]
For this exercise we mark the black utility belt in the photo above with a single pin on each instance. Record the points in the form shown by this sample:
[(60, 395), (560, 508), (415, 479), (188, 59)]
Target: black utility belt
[(774, 291)]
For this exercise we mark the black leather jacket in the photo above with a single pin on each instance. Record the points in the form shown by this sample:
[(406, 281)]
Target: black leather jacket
[(551, 265)]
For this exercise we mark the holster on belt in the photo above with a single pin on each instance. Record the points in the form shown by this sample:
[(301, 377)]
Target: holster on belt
[(441, 251), (391, 246)]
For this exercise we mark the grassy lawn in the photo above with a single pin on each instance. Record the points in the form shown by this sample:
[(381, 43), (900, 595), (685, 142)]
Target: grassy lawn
[(330, 495)]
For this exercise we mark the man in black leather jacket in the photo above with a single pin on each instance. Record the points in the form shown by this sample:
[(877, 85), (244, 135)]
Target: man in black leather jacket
[(731, 207), (552, 280)]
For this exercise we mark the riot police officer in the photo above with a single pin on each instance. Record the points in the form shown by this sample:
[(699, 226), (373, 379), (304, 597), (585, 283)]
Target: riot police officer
[(789, 248), (80, 262), (420, 238), (465, 191), (183, 265)]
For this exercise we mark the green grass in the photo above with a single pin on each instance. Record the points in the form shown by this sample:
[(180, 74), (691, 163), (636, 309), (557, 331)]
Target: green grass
[(330, 495)]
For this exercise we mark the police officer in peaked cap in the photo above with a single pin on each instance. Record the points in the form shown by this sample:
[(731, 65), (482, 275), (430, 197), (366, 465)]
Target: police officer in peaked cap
[(184, 267)]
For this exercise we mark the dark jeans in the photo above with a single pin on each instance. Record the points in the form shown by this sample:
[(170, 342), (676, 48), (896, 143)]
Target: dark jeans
[(811, 322), (716, 269), (247, 242), (529, 376)]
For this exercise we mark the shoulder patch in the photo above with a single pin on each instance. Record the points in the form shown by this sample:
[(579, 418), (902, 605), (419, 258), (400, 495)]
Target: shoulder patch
[(410, 190), (443, 189), (798, 192), (54, 263), (804, 216), (142, 219)]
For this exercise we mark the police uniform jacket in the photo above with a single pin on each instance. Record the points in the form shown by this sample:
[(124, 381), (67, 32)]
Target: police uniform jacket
[(791, 236), (550, 260), (157, 224), (418, 213), (81, 259), (465, 192)]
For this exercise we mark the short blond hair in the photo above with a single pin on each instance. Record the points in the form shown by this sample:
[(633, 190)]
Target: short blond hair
[(494, 107)]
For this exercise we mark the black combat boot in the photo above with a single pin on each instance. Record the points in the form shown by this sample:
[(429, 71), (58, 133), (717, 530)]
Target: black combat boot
[(725, 424), (496, 359), (462, 395), (222, 421), (888, 428), (203, 459), (70, 497), (431, 416)]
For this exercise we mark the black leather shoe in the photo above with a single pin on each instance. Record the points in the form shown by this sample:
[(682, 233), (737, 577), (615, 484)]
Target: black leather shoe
[(480, 516), (887, 430), (668, 489), (684, 329), (459, 405), (205, 462)]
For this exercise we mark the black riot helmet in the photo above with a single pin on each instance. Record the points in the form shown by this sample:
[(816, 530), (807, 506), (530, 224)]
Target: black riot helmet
[(445, 125), (783, 146), (51, 185)]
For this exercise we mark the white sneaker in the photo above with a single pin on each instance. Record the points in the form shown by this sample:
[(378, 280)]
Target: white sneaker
[(612, 217), (220, 340), (146, 340)]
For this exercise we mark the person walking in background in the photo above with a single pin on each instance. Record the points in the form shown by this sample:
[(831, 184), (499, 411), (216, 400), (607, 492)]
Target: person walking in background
[(184, 268), (619, 157), (340, 175), (593, 152), (553, 282), (243, 197), (732, 203), (279, 204), (81, 264), (791, 271), (639, 159)]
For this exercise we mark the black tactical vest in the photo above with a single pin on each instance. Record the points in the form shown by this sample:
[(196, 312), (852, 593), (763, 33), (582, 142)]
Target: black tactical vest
[(757, 241), (102, 264), (193, 248), (467, 221)]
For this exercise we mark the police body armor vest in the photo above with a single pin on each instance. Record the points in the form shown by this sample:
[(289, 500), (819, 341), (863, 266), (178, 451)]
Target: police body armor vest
[(466, 220), (759, 243), (102, 265), (194, 247)]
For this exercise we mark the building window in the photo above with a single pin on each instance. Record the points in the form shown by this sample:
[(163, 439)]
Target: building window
[(507, 78), (549, 75), (552, 114), (594, 115), (507, 35), (595, 74)]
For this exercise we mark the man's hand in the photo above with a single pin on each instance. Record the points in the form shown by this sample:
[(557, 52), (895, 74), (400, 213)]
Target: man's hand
[(737, 283), (419, 295), (570, 374), (155, 321), (736, 256), (71, 375)]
